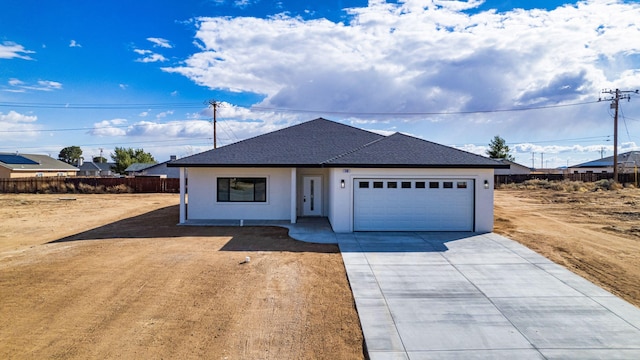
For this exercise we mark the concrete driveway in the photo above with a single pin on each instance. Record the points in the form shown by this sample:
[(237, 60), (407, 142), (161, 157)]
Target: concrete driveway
[(479, 296)]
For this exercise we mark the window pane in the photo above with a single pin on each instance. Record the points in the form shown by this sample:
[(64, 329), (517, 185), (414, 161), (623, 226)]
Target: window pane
[(392, 185), (406, 184), (377, 184), (260, 190), (223, 189), (419, 184), (447, 184), (241, 189), (462, 184), (363, 184), (434, 184)]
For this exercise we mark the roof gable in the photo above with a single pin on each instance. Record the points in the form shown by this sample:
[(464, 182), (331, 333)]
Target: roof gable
[(399, 150), (308, 143)]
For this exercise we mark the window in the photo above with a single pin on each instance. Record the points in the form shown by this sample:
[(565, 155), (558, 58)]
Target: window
[(392, 185), (447, 184), (363, 184), (420, 184), (434, 184), (406, 184), (377, 184), (242, 189), (462, 184)]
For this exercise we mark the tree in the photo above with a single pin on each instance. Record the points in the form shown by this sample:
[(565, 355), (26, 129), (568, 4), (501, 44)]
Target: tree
[(498, 149), (70, 154), (125, 157), (99, 159)]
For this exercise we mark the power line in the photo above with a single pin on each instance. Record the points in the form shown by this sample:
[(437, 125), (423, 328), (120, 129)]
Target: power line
[(113, 106), (419, 113), (127, 143), (275, 109)]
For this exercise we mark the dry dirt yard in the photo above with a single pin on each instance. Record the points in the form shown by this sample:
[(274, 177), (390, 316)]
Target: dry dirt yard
[(596, 234), (112, 276)]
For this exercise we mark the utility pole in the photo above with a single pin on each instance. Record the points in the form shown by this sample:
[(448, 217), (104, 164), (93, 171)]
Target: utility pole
[(601, 152), (615, 96), (542, 160), (214, 105), (533, 160), (101, 155)]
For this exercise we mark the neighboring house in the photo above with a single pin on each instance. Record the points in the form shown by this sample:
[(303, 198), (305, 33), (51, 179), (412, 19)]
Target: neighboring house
[(137, 169), (514, 168), (96, 169), (626, 164), (14, 165), (359, 180), (153, 170)]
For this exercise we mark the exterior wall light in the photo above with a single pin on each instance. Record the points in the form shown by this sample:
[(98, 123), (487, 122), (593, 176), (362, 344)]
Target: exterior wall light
[(342, 185), (486, 184)]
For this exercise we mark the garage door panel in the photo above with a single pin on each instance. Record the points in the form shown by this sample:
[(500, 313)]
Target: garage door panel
[(414, 209)]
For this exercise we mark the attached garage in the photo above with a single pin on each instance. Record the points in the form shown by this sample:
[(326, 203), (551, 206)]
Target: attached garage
[(413, 204)]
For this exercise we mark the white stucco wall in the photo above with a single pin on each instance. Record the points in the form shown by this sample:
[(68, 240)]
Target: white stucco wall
[(203, 189), (340, 211)]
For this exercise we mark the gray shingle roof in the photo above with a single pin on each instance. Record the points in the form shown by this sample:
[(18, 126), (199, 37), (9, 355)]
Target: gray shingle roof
[(40, 163), (325, 143)]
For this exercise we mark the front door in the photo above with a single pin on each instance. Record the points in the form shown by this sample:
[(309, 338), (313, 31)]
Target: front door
[(312, 196)]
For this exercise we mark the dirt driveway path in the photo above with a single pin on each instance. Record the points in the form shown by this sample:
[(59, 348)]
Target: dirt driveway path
[(134, 285), (594, 234)]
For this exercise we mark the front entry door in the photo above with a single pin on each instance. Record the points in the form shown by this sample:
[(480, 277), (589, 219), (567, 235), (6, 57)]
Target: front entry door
[(312, 196)]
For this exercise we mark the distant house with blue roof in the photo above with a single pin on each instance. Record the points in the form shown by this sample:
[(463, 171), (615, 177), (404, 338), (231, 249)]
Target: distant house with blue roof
[(627, 162), (15, 165)]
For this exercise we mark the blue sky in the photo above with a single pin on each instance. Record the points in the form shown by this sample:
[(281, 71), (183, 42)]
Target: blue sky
[(137, 74)]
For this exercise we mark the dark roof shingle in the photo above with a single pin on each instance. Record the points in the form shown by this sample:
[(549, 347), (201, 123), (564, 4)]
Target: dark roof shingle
[(325, 143)]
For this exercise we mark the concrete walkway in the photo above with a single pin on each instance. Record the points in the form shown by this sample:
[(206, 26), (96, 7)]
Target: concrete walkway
[(479, 296)]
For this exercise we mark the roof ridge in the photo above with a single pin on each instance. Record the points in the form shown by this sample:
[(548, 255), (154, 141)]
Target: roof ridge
[(382, 137)]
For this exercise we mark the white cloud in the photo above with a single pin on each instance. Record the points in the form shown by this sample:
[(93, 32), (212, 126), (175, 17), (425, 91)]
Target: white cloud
[(42, 85), (142, 52), (15, 82), (14, 123), (164, 114), (123, 86), (430, 57), (113, 127), (144, 113), (152, 58), (160, 42), (11, 50), (15, 117), (74, 43)]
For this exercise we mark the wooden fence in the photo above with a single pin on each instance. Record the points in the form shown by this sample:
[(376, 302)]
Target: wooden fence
[(586, 177), (90, 185)]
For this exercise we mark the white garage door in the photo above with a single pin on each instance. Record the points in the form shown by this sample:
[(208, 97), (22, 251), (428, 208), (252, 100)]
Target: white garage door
[(413, 204)]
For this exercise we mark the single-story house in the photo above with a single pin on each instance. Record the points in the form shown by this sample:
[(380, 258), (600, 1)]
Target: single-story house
[(514, 168), (15, 165), (626, 164), (96, 169), (359, 180), (154, 170)]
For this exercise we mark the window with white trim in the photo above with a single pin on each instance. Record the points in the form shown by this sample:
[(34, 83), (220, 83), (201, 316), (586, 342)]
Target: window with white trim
[(242, 189)]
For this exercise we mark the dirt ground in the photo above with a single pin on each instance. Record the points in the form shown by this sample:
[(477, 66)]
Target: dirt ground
[(112, 276), (595, 234)]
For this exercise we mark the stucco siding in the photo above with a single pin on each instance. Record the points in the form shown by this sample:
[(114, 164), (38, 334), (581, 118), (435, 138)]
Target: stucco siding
[(203, 204)]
